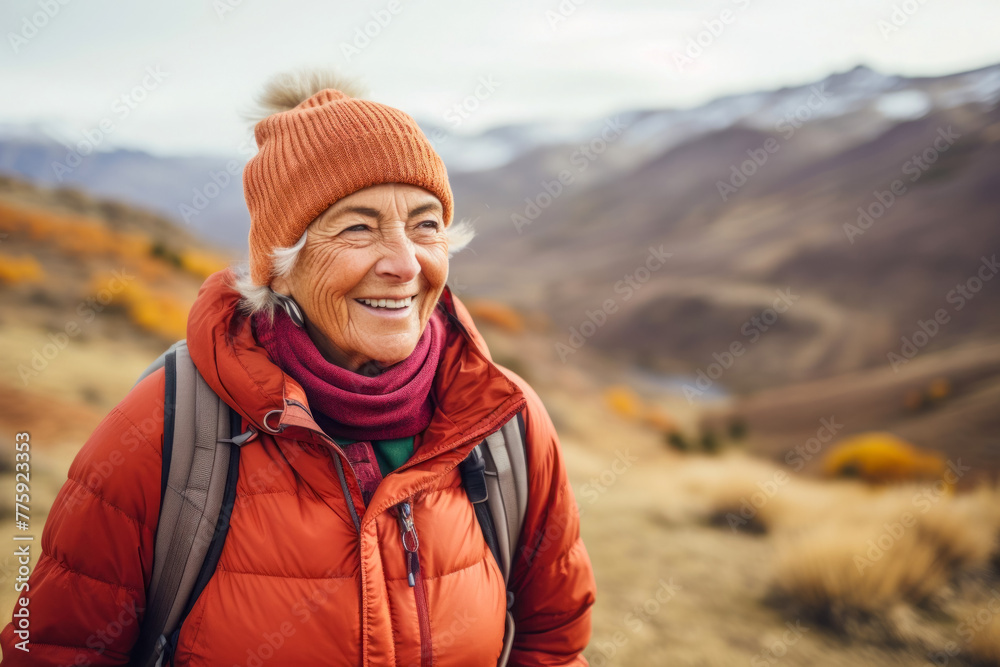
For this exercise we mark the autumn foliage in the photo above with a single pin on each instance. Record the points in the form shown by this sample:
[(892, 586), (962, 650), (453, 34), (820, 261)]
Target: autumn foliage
[(880, 457), (81, 235), (76, 234), (201, 264), (623, 401), (921, 398), (152, 258), (20, 269), (155, 311), (498, 314)]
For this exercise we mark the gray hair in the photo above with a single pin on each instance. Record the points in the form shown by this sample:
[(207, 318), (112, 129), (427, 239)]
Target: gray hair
[(261, 298)]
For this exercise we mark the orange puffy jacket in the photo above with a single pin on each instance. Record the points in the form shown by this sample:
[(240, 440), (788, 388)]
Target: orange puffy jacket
[(297, 583)]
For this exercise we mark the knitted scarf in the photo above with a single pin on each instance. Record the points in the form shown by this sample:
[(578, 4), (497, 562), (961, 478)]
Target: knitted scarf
[(397, 403)]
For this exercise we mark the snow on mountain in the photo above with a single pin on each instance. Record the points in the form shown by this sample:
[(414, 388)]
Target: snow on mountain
[(169, 185)]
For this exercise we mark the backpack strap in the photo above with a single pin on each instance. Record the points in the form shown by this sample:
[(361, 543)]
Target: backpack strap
[(160, 360), (200, 466), (507, 483), (495, 476)]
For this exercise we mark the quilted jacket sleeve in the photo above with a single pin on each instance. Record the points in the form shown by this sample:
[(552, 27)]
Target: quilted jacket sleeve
[(552, 579), (86, 593)]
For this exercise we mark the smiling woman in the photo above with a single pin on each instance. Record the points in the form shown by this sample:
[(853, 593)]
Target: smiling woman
[(362, 528), (388, 243)]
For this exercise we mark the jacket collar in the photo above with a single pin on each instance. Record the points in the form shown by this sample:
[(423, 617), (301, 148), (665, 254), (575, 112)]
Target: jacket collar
[(472, 395)]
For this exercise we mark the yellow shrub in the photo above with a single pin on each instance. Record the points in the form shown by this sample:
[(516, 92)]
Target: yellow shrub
[(111, 289), (151, 271), (81, 235), (660, 420), (159, 313), (939, 389), (202, 264), (623, 401), (497, 314), (72, 233), (880, 457), (20, 269), (131, 245)]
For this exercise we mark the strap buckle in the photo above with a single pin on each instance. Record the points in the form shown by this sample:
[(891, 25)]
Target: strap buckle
[(473, 470)]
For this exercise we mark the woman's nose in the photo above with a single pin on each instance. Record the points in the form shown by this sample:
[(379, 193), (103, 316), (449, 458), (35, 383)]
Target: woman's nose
[(399, 258)]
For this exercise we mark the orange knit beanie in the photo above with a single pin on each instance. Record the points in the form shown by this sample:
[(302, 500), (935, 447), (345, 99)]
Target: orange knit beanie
[(327, 147)]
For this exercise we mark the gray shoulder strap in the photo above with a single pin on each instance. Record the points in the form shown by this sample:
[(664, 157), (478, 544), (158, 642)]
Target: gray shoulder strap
[(191, 503), (160, 360), (507, 484), (507, 489)]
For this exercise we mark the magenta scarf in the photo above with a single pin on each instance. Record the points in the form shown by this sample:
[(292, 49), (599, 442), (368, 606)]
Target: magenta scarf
[(397, 403)]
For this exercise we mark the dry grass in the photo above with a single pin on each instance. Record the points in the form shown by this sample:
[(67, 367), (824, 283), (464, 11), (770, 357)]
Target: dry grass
[(734, 491), (876, 564), (879, 578), (984, 645), (841, 578), (649, 524), (745, 493)]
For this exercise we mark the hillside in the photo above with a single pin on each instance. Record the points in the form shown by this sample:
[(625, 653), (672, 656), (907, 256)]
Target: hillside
[(676, 585), (784, 231), (782, 423), (705, 268), (92, 288), (752, 195)]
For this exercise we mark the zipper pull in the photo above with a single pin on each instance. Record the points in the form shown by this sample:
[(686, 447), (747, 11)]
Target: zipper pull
[(410, 542)]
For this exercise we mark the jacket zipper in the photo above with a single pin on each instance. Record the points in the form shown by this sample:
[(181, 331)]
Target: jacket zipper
[(416, 579), (409, 534)]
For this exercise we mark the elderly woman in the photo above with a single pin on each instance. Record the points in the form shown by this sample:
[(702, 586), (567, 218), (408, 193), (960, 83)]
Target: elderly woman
[(363, 384)]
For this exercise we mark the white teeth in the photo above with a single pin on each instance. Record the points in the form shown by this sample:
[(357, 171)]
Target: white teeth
[(388, 303)]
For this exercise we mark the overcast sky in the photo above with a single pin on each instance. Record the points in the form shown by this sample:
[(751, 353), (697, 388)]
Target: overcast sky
[(543, 59)]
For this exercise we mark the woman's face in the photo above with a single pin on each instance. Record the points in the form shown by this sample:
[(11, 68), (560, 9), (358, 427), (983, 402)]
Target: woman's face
[(386, 241)]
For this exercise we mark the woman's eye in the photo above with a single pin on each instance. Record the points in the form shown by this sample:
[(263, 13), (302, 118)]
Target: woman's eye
[(433, 224), (357, 228)]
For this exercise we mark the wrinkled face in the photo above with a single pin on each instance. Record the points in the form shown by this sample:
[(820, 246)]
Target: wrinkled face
[(370, 274)]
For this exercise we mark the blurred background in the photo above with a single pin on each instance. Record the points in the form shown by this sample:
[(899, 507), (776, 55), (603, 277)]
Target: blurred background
[(744, 250)]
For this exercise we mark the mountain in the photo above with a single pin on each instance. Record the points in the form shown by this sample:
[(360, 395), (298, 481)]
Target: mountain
[(92, 291), (168, 184), (197, 192), (761, 197), (753, 196)]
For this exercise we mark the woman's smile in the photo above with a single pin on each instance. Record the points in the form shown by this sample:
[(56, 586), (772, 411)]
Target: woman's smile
[(389, 307), (370, 273)]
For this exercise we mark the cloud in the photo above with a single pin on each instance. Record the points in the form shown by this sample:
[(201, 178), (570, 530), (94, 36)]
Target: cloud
[(594, 60)]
